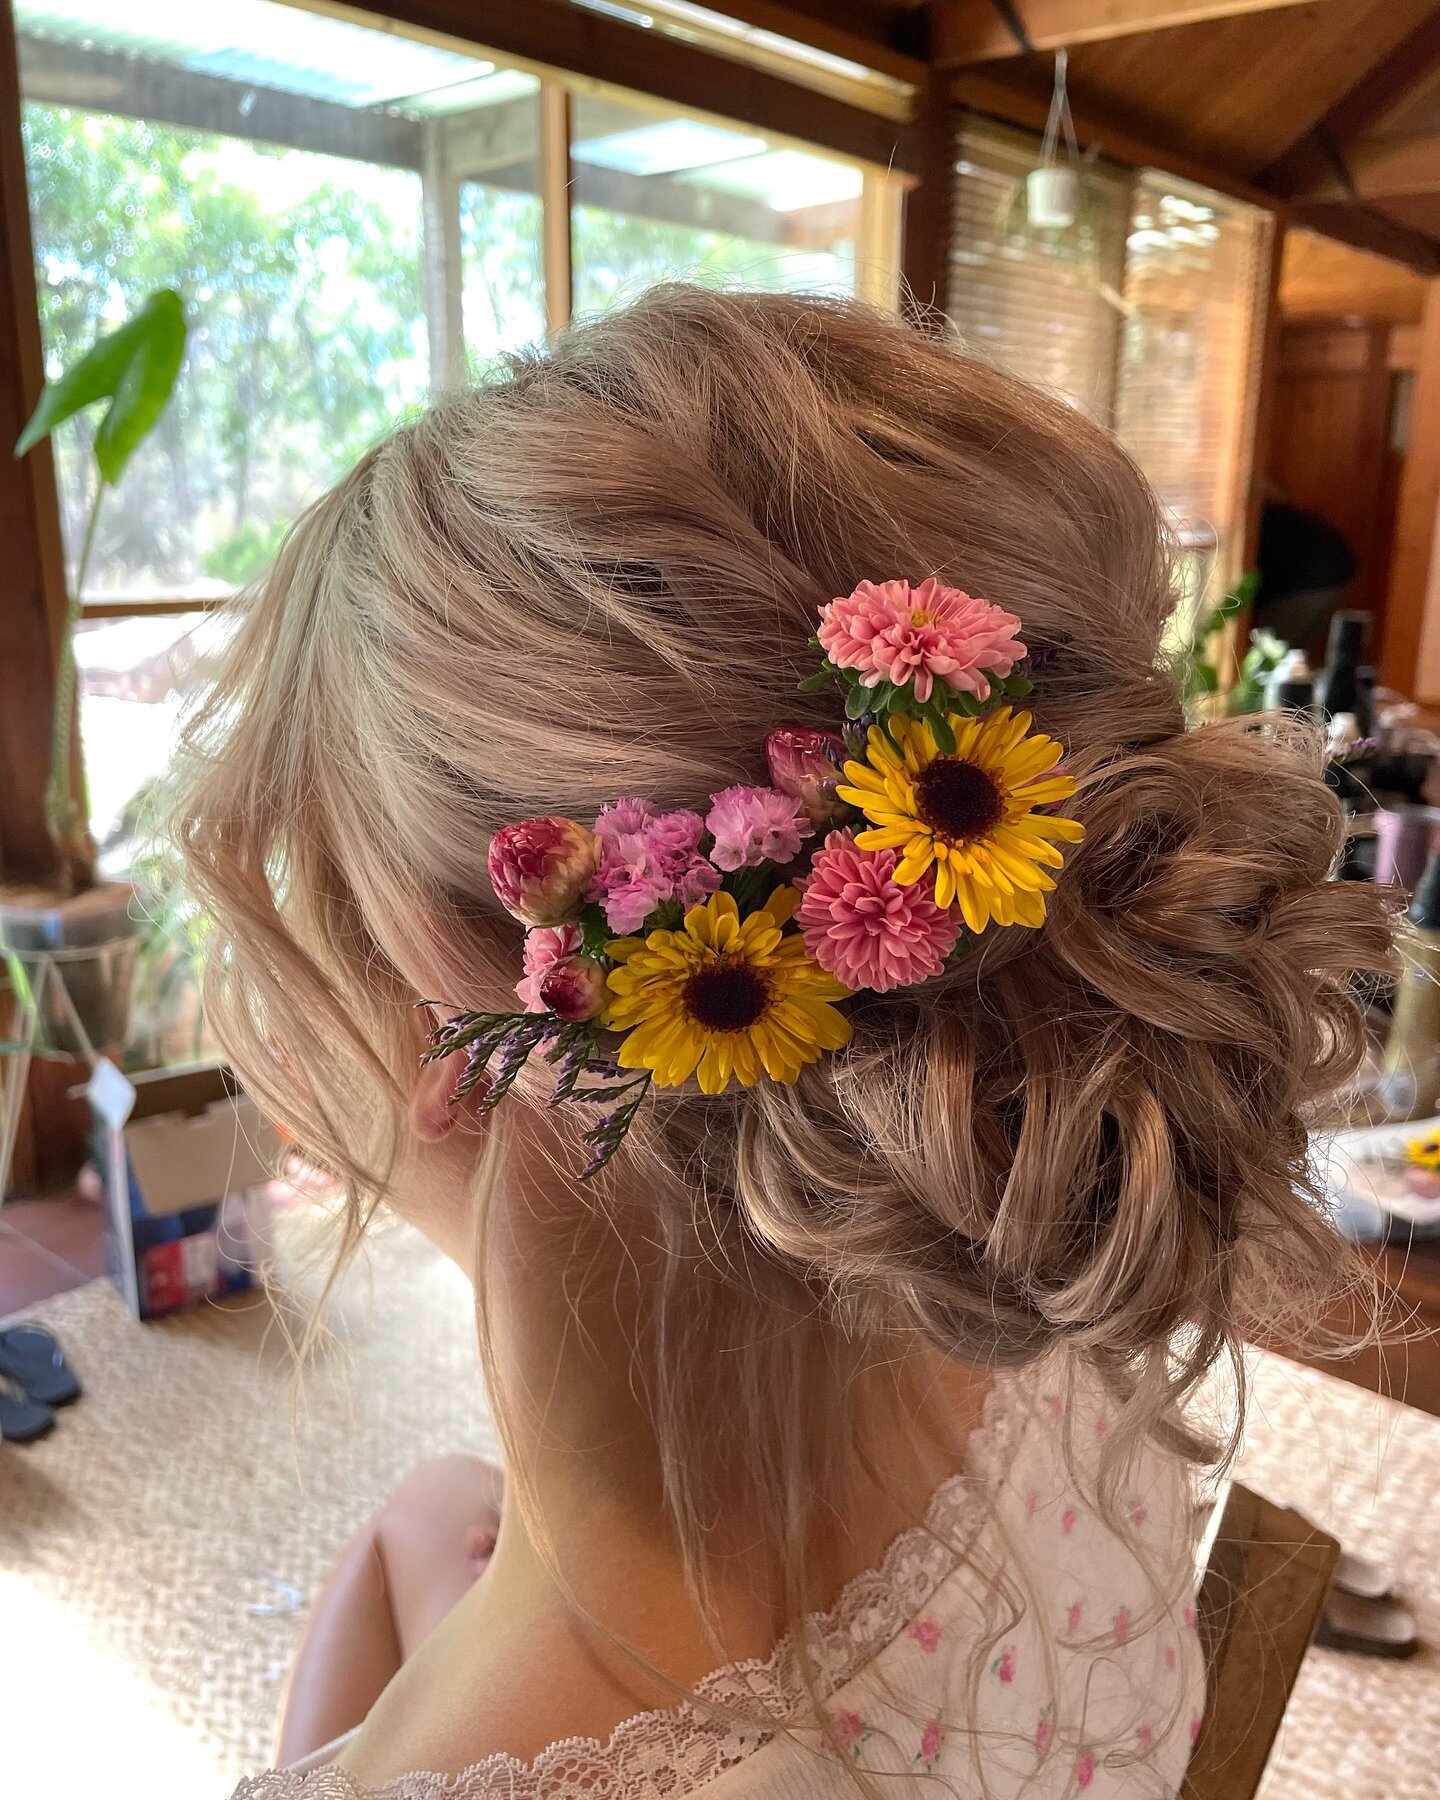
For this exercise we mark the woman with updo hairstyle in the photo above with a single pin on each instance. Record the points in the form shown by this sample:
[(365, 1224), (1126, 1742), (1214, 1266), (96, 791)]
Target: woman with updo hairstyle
[(849, 1417)]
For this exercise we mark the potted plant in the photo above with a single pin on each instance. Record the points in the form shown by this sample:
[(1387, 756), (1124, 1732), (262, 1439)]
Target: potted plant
[(69, 929)]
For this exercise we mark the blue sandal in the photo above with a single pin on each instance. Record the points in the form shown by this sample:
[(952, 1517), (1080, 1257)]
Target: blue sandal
[(32, 1356), (21, 1418)]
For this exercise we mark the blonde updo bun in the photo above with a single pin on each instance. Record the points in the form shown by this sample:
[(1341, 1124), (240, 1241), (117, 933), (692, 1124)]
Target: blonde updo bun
[(597, 576)]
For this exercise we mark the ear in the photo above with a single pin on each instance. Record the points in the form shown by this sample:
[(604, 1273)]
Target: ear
[(434, 1113)]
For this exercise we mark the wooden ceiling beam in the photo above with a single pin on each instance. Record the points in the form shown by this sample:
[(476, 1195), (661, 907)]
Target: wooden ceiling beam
[(1310, 165), (1408, 165), (1367, 228), (963, 32), (824, 26)]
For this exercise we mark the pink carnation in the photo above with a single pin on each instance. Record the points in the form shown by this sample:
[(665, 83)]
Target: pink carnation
[(866, 930), (647, 858), (889, 631), (752, 825), (543, 946)]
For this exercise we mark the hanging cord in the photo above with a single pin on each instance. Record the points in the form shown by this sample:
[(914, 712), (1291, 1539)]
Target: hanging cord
[(1014, 24), (1060, 119)]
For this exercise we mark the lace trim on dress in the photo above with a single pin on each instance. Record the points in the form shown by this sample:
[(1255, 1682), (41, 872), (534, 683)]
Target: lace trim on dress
[(673, 1752)]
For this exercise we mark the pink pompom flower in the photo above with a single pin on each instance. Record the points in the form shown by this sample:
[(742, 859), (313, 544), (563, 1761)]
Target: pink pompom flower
[(540, 869), (866, 930), (891, 631), (574, 989), (544, 946), (753, 825), (806, 764), (648, 858)]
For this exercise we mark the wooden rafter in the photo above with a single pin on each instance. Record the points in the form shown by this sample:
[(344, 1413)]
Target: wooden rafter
[(1368, 228), (976, 31), (836, 30), (1310, 165), (1406, 165)]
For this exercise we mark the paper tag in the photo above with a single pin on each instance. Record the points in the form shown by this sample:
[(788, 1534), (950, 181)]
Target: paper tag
[(111, 1094)]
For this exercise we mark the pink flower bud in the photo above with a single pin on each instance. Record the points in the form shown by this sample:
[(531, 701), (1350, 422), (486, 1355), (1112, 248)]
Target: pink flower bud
[(540, 869), (806, 764), (574, 989)]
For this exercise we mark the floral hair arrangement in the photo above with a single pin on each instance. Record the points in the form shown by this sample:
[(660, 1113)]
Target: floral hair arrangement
[(722, 945)]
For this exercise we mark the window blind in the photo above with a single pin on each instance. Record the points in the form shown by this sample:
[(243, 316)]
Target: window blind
[(1194, 294), (1043, 304)]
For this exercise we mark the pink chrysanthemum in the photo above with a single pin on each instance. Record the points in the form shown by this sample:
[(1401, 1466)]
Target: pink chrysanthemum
[(752, 825), (543, 946), (647, 858), (889, 631), (866, 930)]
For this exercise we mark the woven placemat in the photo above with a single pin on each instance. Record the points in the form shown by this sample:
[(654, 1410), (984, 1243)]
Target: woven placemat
[(158, 1549)]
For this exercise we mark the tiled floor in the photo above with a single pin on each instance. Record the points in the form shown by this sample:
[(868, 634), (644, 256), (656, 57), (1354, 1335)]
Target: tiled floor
[(46, 1247)]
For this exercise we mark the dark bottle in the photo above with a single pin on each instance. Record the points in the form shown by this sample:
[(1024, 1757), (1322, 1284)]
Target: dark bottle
[(1339, 687)]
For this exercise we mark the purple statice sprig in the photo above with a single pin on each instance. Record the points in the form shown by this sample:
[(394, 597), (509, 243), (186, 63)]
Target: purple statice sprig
[(624, 1099), (508, 1040)]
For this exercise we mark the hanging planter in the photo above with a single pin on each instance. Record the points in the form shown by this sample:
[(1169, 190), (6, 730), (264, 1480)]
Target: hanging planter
[(1051, 197), (1052, 192)]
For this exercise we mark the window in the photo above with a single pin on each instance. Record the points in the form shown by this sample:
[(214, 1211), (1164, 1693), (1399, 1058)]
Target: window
[(1144, 313), (1193, 297), (1044, 303), (331, 199), (656, 194), (355, 218)]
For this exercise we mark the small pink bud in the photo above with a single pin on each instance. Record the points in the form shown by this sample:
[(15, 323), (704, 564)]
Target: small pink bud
[(540, 869), (574, 989), (806, 764)]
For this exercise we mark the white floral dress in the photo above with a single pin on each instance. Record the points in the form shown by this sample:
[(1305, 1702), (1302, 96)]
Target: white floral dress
[(1015, 1644)]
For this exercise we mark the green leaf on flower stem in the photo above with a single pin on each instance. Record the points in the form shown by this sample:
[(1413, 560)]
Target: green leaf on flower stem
[(944, 735), (595, 932), (669, 915), (859, 700), (134, 368), (1016, 687), (812, 684)]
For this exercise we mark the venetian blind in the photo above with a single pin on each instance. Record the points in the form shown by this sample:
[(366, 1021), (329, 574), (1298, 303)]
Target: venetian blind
[(1044, 304), (1194, 293)]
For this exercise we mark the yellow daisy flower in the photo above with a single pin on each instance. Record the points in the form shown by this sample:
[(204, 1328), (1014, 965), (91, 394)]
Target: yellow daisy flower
[(1424, 1152), (971, 816), (722, 997)]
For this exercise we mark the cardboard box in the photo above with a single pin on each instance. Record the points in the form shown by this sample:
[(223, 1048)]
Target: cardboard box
[(185, 1159)]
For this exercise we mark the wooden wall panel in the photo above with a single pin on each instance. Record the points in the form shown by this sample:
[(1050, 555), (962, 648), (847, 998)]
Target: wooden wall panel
[(1329, 438), (1411, 661)]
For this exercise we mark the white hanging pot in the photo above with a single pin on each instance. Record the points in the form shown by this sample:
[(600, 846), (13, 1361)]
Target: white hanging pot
[(1050, 196)]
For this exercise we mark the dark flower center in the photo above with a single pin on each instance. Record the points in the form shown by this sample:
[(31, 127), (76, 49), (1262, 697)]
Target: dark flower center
[(957, 799), (727, 995)]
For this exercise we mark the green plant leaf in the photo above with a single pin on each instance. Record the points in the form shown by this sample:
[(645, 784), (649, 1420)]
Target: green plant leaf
[(859, 700), (944, 736), (134, 367)]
